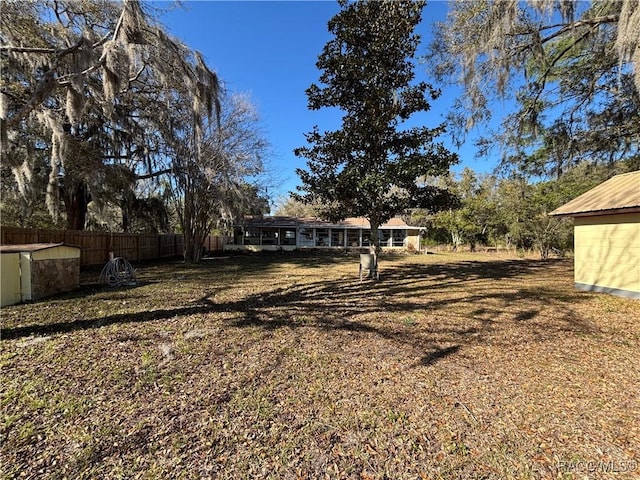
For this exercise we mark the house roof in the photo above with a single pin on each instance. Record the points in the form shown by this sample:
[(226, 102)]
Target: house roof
[(619, 194), (361, 222), (31, 247), (293, 222)]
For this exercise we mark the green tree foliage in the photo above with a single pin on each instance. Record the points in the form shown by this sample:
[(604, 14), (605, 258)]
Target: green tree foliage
[(524, 211), (573, 69), (474, 221), (370, 167), (513, 212)]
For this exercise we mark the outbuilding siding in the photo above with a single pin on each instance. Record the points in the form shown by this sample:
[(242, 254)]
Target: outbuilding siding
[(607, 254), (10, 282), (607, 236)]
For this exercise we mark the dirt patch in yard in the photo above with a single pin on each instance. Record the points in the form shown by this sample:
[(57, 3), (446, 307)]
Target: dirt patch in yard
[(285, 366)]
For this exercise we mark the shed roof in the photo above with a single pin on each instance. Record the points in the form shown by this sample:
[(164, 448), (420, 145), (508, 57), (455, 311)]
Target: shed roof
[(31, 247), (619, 194)]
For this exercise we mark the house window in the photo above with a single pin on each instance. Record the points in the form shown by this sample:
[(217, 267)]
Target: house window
[(322, 237), (399, 237), (269, 237), (288, 237), (252, 237), (353, 238), (337, 238), (306, 237), (383, 238)]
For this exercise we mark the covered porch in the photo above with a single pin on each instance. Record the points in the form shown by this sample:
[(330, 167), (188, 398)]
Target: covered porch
[(289, 233)]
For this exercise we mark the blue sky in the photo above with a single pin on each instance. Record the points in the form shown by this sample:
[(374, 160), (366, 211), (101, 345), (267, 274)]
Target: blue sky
[(268, 49)]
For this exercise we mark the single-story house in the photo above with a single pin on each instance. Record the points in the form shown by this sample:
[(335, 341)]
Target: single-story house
[(291, 233), (36, 270), (607, 236)]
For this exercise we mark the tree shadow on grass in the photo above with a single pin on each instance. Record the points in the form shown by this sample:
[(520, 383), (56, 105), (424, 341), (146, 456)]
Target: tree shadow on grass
[(268, 259), (438, 354), (459, 303)]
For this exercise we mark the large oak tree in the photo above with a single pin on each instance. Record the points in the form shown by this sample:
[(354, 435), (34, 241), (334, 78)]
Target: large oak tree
[(92, 84)]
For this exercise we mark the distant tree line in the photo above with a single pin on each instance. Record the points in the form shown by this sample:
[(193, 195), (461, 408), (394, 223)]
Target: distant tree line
[(498, 211), (511, 212)]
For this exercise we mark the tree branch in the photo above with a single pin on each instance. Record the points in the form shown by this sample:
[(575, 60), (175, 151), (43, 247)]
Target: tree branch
[(553, 64), (614, 18), (54, 51), (154, 174)]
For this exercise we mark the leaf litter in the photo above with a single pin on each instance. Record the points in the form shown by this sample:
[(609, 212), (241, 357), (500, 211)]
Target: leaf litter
[(286, 366)]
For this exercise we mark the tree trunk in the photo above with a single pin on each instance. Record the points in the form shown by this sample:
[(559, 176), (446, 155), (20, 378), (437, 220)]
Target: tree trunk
[(456, 240), (189, 251), (76, 204), (125, 218), (373, 243), (193, 242)]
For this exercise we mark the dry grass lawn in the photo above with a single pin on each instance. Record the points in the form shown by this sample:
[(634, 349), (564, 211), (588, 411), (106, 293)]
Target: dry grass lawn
[(286, 367)]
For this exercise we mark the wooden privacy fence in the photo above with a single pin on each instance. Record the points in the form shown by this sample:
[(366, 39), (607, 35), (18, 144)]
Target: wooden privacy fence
[(96, 246)]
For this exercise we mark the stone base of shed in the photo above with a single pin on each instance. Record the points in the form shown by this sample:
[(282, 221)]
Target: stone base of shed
[(53, 276)]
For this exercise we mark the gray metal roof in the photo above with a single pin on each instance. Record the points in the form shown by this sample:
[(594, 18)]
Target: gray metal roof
[(618, 194), (31, 247)]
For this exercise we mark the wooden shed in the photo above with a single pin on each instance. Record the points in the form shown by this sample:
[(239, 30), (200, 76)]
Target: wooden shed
[(607, 236), (37, 270)]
